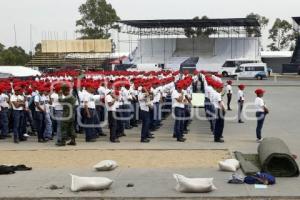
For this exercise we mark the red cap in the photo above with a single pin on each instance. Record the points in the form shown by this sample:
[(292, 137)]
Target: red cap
[(242, 86), (229, 82), (259, 91)]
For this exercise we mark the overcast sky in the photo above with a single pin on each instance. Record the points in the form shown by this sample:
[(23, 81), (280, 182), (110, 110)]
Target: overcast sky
[(56, 18)]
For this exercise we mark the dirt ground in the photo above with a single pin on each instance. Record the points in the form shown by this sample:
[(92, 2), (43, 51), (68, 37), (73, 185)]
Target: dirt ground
[(80, 159)]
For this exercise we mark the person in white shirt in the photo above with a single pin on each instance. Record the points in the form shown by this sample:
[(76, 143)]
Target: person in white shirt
[(126, 97), (101, 107), (47, 118), (4, 106), (144, 101), (18, 104), (111, 106), (178, 107), (261, 112), (157, 97), (57, 111), (241, 100), (89, 117), (229, 94), (220, 112), (40, 114)]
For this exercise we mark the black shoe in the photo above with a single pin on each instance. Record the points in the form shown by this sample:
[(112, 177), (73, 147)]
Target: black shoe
[(60, 144), (115, 141), (42, 141), (23, 139), (91, 140), (72, 143), (219, 141), (102, 135), (174, 136), (145, 141), (181, 140), (2, 137), (134, 125), (151, 137), (122, 135), (241, 122)]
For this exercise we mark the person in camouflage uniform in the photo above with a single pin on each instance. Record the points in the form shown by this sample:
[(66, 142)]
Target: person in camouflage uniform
[(67, 127)]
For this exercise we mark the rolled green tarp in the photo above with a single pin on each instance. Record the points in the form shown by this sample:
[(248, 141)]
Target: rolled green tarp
[(276, 159)]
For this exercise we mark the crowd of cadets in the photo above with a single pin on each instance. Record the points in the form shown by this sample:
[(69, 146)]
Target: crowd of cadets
[(62, 106)]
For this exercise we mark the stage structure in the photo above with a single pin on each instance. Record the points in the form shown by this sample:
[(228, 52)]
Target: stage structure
[(164, 42)]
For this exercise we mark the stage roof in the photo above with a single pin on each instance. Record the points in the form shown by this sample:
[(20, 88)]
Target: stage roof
[(297, 20), (186, 23)]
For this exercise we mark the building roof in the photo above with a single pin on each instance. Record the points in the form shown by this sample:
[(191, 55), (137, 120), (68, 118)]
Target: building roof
[(276, 54), (297, 20), (186, 23)]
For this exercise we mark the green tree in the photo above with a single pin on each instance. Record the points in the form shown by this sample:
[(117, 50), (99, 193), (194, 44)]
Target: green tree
[(38, 48), (1, 47), (199, 32), (97, 19), (282, 35), (14, 56), (256, 31)]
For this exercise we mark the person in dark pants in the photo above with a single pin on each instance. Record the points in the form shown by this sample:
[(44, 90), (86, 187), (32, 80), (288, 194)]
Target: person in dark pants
[(241, 100), (18, 104), (220, 112), (261, 112), (4, 114), (89, 116), (145, 104), (39, 115), (229, 94), (111, 106), (178, 107)]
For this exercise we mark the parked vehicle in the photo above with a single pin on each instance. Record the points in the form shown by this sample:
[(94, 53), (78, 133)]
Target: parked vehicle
[(231, 65), (255, 70)]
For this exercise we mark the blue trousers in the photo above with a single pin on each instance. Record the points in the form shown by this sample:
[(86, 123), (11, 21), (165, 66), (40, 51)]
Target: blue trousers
[(145, 124), (4, 121), (219, 124), (260, 122), (156, 114), (48, 126), (90, 122), (179, 122), (120, 123), (40, 124), (18, 116)]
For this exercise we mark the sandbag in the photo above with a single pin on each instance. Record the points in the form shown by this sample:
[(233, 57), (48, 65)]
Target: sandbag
[(106, 165), (229, 165), (194, 185), (276, 158), (89, 183)]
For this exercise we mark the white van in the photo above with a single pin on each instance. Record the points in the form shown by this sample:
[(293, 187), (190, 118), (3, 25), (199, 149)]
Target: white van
[(230, 65), (255, 70)]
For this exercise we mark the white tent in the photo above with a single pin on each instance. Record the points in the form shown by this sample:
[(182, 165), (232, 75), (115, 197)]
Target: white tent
[(18, 71)]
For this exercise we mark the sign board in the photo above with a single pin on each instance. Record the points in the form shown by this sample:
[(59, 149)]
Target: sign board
[(77, 46), (198, 100)]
